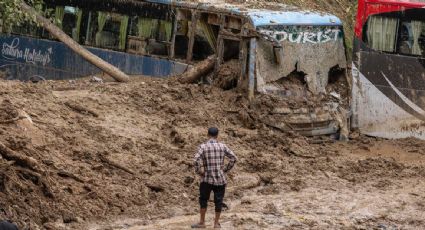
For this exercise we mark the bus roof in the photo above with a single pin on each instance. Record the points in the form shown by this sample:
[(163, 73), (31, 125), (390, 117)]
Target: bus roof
[(266, 17), (411, 3), (276, 14), (259, 15)]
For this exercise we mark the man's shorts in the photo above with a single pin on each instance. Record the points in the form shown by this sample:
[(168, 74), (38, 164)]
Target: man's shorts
[(204, 195)]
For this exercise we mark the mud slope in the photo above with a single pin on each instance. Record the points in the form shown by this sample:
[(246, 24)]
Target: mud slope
[(80, 155), (74, 151)]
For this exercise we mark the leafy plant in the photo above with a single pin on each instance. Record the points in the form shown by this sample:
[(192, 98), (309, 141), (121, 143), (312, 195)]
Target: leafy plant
[(12, 15)]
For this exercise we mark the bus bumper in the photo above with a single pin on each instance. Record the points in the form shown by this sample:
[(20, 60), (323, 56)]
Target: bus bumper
[(323, 120)]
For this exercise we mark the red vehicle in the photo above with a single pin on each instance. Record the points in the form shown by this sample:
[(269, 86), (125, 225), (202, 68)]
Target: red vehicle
[(388, 93)]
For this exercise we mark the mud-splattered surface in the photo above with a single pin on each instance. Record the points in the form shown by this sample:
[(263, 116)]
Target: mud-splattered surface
[(313, 60), (83, 155), (371, 185)]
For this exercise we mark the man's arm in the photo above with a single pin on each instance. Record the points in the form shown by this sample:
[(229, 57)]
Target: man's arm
[(198, 161), (232, 159)]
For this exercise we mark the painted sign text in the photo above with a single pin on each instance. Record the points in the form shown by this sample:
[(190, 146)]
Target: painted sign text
[(12, 51), (312, 37)]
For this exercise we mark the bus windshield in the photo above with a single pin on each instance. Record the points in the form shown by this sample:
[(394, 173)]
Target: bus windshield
[(309, 52)]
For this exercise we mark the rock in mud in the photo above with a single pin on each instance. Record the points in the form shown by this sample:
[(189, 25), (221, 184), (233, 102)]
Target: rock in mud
[(297, 185), (271, 209)]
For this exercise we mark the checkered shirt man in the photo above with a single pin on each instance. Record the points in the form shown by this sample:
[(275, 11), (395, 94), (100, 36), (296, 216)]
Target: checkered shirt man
[(210, 157)]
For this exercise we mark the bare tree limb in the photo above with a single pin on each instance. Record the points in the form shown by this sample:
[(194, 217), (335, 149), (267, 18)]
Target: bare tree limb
[(200, 69), (105, 159), (20, 159)]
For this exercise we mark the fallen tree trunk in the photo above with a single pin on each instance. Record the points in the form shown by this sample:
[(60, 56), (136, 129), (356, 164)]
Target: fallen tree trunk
[(200, 69), (115, 164), (38, 179), (66, 174), (113, 71), (20, 159), (81, 109), (12, 120)]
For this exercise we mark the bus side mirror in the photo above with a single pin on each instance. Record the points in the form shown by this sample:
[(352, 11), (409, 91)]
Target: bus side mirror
[(278, 54)]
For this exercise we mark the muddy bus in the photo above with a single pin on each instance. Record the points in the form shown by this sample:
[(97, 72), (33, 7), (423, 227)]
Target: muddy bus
[(389, 69), (297, 57)]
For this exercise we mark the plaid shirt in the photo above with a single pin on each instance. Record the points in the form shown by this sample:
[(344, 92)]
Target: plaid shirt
[(210, 156)]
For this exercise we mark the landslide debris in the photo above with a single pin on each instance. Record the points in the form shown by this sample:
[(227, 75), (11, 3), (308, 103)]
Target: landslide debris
[(89, 151)]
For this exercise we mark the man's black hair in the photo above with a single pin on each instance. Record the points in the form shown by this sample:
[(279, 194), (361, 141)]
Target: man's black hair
[(6, 225), (213, 132)]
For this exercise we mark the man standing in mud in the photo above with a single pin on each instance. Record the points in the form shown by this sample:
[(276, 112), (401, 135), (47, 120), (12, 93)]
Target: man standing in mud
[(209, 165)]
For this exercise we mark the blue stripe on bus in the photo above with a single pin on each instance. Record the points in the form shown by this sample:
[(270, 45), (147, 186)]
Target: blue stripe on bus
[(24, 57)]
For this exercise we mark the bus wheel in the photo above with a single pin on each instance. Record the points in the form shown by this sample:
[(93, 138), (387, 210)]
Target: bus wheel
[(36, 78)]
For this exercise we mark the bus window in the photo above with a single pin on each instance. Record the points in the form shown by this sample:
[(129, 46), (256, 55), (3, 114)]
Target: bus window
[(182, 39), (381, 33), (412, 38), (205, 36), (301, 46), (205, 40), (27, 29), (71, 22), (181, 43), (149, 36), (396, 33), (160, 42), (107, 30), (137, 37)]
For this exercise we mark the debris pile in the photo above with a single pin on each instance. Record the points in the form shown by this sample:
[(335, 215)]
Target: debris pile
[(82, 151)]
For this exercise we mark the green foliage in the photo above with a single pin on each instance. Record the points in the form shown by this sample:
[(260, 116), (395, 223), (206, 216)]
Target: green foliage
[(11, 13)]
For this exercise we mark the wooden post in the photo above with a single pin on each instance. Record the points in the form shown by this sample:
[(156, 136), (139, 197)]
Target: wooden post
[(173, 39), (220, 44), (243, 58), (113, 71), (220, 53), (194, 22), (252, 60)]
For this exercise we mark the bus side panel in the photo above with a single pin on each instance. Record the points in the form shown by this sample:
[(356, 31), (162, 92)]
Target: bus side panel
[(22, 58), (389, 99)]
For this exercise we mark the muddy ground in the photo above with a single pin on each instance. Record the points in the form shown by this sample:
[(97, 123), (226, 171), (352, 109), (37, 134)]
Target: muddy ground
[(90, 155)]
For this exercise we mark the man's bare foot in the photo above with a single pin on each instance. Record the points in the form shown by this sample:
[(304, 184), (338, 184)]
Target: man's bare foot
[(217, 226), (198, 225)]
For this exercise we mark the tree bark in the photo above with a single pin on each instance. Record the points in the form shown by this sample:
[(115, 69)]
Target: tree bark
[(200, 69), (20, 159), (113, 71), (115, 164)]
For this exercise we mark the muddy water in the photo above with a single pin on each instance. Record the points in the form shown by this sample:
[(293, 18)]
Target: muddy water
[(311, 208)]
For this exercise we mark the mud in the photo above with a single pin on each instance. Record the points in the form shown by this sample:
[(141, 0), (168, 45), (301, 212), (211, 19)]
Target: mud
[(119, 156), (305, 92), (313, 60), (342, 187), (228, 75)]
